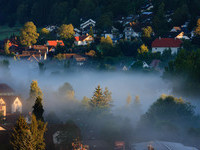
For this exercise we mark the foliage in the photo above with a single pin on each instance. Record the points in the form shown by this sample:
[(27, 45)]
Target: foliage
[(170, 109), (107, 40), (38, 109), (143, 49), (66, 31), (91, 32), (147, 31), (35, 90), (180, 15), (185, 66), (68, 134), (21, 137), (38, 128), (29, 35), (67, 91), (6, 47), (44, 31), (101, 100), (197, 30), (26, 136)]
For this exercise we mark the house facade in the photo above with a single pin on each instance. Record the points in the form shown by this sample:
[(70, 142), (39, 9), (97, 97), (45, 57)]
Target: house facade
[(161, 44), (9, 102), (83, 40), (129, 33)]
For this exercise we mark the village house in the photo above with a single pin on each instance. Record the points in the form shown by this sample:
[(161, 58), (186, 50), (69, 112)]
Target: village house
[(9, 102), (83, 40), (85, 26), (176, 35), (129, 33), (161, 44), (34, 53), (53, 44)]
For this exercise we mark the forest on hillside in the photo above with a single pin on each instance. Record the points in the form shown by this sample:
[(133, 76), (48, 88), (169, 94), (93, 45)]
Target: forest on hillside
[(51, 12)]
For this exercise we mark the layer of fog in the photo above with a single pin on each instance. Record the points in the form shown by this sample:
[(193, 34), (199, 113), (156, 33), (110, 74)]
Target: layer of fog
[(147, 86)]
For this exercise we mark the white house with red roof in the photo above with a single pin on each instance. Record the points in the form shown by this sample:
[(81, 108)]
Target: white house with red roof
[(161, 44), (83, 40)]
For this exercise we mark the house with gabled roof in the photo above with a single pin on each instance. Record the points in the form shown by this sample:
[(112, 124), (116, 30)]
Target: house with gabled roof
[(161, 44), (9, 102), (85, 26), (83, 40)]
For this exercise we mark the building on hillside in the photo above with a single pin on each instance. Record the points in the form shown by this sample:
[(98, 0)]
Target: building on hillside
[(177, 35), (83, 40), (53, 44), (161, 44), (85, 26), (129, 33), (9, 102)]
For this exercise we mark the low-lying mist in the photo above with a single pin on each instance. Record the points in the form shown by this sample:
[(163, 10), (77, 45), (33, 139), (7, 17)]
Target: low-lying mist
[(148, 87)]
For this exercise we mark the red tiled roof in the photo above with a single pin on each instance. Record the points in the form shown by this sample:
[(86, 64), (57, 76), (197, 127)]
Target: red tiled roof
[(55, 43), (80, 38), (166, 42)]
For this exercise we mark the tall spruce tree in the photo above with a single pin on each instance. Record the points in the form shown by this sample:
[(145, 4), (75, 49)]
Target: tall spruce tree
[(101, 100), (21, 138), (38, 109), (38, 128)]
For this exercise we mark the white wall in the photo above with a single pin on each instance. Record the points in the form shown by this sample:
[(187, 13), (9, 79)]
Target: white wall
[(161, 49), (16, 106)]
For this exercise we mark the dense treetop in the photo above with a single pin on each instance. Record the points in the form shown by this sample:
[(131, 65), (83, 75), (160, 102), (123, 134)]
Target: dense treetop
[(45, 12)]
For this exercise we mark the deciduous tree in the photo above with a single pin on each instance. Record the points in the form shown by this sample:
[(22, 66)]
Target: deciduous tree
[(29, 35), (66, 31)]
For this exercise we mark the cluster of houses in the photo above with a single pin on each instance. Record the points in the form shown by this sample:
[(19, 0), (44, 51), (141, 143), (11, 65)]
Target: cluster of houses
[(132, 28)]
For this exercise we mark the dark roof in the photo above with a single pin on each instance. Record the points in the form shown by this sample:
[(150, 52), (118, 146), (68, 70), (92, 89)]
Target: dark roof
[(166, 42), (4, 88)]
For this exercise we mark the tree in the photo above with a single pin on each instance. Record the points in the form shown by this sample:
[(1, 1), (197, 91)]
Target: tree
[(21, 138), (143, 49), (128, 100), (38, 109), (69, 133), (67, 91), (107, 40), (85, 102), (101, 100), (91, 32), (35, 90), (29, 35), (147, 32), (6, 47), (38, 128), (171, 110), (197, 30), (66, 31), (28, 137), (44, 31)]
